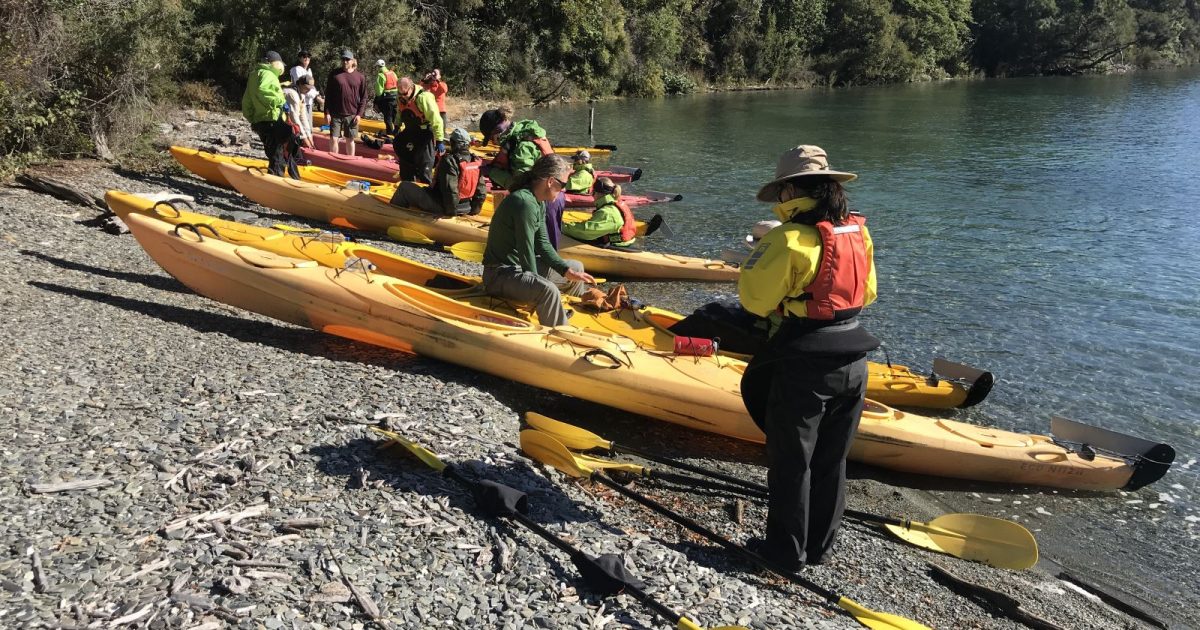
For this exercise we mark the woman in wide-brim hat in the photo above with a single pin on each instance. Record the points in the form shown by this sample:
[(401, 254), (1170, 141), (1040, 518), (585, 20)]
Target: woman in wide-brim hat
[(814, 272)]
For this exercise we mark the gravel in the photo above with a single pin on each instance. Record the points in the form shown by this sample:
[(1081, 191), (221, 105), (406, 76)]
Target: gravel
[(212, 428)]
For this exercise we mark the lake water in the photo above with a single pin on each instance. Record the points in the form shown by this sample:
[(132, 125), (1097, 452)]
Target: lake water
[(1044, 229)]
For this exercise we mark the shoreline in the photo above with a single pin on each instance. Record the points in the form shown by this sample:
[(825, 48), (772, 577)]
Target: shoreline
[(189, 407)]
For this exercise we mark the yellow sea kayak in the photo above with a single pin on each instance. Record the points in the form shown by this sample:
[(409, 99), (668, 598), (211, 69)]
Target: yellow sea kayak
[(372, 212), (647, 326), (369, 125), (205, 165), (696, 392)]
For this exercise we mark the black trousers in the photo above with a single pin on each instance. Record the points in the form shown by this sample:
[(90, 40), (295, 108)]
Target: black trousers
[(415, 155), (808, 405), (275, 136), (385, 104)]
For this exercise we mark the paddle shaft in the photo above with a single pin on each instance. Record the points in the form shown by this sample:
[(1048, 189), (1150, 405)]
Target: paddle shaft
[(661, 509), (682, 465), (571, 551), (699, 482)]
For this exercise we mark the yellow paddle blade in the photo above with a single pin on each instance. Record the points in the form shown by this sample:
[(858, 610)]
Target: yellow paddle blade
[(570, 435), (421, 452), (877, 620), (405, 235), (595, 463), (290, 228), (993, 541), (469, 251), (549, 451)]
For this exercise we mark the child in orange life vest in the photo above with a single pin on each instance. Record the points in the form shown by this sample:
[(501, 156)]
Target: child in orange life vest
[(612, 223), (457, 188)]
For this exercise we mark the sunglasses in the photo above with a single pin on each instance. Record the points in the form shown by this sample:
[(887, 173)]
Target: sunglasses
[(561, 183)]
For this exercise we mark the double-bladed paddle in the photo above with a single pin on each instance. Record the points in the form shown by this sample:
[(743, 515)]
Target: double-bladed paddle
[(605, 574), (547, 450), (994, 541)]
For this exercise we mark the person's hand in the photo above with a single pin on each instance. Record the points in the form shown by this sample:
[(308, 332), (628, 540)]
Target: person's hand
[(579, 276), (441, 148), (357, 119)]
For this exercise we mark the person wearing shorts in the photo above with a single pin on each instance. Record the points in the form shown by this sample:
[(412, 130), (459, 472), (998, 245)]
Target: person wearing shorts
[(345, 103)]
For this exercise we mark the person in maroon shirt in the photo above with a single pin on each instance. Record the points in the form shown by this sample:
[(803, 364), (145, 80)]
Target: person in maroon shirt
[(345, 103)]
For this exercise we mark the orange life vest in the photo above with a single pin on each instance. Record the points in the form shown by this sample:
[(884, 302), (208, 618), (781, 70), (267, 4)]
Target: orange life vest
[(389, 81), (839, 288), (501, 159), (629, 228), (468, 178), (411, 105)]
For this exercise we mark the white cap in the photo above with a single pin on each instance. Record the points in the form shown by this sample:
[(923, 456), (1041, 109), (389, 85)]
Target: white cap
[(760, 230), (381, 63)]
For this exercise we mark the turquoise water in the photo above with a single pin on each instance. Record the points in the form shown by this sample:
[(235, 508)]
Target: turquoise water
[(1044, 229)]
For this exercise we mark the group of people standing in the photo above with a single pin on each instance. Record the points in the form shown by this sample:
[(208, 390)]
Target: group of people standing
[(807, 279), (280, 109)]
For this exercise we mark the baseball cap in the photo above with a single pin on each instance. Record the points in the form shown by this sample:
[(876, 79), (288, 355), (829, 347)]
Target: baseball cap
[(271, 55), (381, 63), (346, 54)]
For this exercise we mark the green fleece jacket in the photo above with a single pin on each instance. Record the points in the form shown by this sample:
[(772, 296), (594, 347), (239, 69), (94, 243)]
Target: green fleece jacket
[(263, 99), (517, 235), (522, 152), (605, 221)]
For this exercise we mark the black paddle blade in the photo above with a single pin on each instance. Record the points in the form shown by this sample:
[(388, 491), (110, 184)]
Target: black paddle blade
[(609, 147), (654, 224), (498, 499), (606, 574)]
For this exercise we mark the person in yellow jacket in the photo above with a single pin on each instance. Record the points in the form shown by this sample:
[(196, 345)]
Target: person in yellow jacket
[(815, 272), (387, 87), (419, 136), (583, 174)]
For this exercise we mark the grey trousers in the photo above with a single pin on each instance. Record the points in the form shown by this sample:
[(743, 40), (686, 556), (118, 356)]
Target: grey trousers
[(410, 195), (523, 287), (573, 288)]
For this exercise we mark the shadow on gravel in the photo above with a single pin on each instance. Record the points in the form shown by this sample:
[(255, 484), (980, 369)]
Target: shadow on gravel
[(397, 469), (160, 283)]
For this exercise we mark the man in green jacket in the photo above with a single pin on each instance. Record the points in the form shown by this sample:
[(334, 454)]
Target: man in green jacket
[(421, 139), (517, 242), (387, 86), (263, 106)]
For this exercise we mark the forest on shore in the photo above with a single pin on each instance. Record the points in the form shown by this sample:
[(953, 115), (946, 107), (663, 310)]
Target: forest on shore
[(89, 77)]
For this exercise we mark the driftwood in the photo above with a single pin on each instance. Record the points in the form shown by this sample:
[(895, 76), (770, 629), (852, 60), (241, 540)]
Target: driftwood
[(994, 601), (61, 190), (40, 584), (66, 486)]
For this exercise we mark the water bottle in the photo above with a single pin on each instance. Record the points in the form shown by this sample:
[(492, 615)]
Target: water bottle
[(355, 185)]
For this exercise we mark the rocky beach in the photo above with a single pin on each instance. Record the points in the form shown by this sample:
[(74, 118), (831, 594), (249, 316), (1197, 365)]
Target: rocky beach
[(172, 462)]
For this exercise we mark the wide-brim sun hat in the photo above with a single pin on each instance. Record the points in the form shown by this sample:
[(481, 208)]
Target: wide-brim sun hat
[(806, 160)]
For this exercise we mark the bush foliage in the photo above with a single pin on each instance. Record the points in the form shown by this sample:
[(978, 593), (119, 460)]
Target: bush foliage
[(85, 76)]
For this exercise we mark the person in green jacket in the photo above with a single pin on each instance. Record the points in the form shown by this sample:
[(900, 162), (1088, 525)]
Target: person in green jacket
[(611, 224), (263, 105), (584, 175), (517, 241), (420, 137), (387, 87)]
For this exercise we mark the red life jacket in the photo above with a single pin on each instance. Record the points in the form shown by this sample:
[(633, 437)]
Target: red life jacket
[(389, 81), (468, 178), (501, 159), (629, 228), (839, 288)]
